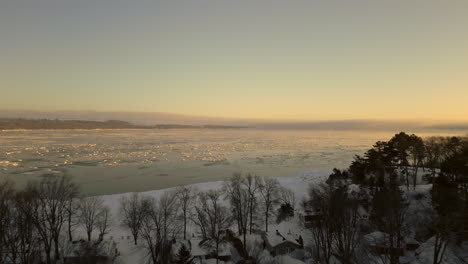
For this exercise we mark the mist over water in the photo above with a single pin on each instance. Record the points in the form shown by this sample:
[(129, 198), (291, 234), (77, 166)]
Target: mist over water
[(115, 161)]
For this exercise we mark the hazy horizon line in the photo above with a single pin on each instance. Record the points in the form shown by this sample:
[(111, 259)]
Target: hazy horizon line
[(153, 118)]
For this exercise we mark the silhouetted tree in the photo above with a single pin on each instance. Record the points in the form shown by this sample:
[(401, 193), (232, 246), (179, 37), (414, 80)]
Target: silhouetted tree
[(239, 199), (52, 194), (216, 216), (269, 188), (89, 210), (132, 211), (160, 226), (185, 199), (252, 185), (388, 214), (183, 256)]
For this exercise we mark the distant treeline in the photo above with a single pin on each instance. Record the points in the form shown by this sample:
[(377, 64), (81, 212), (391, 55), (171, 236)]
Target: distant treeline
[(11, 124), (19, 123)]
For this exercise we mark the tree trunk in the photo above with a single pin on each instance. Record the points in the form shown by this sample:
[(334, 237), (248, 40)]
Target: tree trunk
[(245, 233), (407, 177), (217, 251), (57, 249), (70, 236), (251, 216), (415, 177), (48, 258), (185, 224)]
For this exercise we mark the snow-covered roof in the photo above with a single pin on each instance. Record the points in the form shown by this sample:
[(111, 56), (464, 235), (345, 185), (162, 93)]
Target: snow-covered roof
[(288, 259), (362, 211), (204, 247), (354, 188), (275, 238), (213, 261), (224, 249), (103, 248), (197, 250), (375, 238), (177, 245), (410, 240)]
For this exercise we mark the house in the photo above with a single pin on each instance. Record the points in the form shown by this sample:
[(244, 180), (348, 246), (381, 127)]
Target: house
[(378, 243), (279, 244), (308, 215), (411, 244), (202, 250), (91, 252), (196, 250), (311, 218)]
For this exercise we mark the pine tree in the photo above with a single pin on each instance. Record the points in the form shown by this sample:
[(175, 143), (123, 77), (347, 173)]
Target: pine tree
[(183, 256)]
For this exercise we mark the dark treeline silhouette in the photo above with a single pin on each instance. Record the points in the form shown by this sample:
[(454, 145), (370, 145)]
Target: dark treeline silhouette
[(31, 124), (157, 222), (33, 220), (382, 176), (17, 123)]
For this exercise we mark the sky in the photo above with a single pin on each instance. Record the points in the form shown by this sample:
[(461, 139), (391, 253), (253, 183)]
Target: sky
[(260, 59)]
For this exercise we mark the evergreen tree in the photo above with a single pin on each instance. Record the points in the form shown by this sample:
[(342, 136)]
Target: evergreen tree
[(388, 214), (183, 256)]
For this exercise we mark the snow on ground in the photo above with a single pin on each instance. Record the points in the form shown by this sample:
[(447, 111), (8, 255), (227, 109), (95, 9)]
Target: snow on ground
[(419, 200), (298, 184), (131, 254)]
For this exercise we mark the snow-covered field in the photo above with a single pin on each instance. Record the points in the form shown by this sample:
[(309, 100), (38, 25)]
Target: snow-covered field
[(456, 254), (136, 254)]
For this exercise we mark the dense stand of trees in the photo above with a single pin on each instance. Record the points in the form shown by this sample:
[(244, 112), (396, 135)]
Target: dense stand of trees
[(404, 160), (241, 203), (32, 220), (337, 231)]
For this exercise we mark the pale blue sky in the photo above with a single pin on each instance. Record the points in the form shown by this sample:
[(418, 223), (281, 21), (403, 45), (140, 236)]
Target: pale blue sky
[(269, 59)]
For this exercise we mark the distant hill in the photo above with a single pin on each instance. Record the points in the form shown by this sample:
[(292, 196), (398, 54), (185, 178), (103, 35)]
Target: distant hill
[(19, 123), (12, 124)]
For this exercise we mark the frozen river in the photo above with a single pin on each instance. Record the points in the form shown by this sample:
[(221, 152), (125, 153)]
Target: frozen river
[(115, 161)]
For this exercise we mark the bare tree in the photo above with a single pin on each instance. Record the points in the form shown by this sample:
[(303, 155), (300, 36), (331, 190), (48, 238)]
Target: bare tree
[(239, 200), (9, 234), (335, 230), (345, 222), (185, 197), (18, 236), (103, 222), (52, 195), (199, 218), (71, 214), (6, 194), (287, 196), (388, 215), (442, 214), (322, 231), (441, 228), (433, 148), (417, 155), (160, 226), (132, 212), (252, 184), (27, 240), (89, 210), (217, 216), (269, 190)]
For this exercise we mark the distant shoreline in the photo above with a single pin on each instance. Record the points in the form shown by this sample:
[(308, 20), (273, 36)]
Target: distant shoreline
[(17, 124)]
